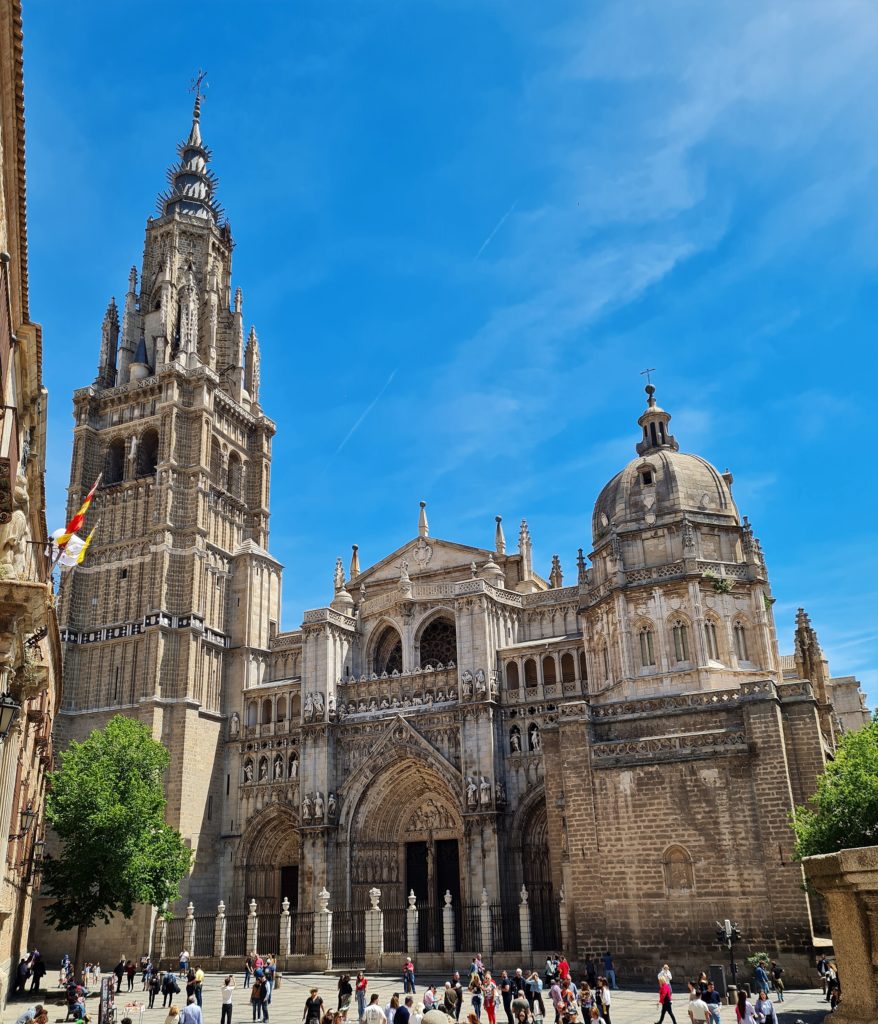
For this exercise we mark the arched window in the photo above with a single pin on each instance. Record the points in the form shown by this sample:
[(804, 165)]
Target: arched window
[(549, 675), (295, 707), (530, 672), (387, 652), (281, 712), (741, 651), (148, 453), (252, 713), (568, 668), (114, 463), (266, 712), (216, 463), (583, 669), (647, 646), (680, 637), (235, 475), (677, 865), (710, 640), (512, 675), (438, 643)]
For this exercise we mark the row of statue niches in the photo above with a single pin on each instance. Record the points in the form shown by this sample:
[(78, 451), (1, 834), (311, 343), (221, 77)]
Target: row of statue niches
[(534, 741), (386, 702), (438, 667), (279, 771), (479, 792), (314, 809)]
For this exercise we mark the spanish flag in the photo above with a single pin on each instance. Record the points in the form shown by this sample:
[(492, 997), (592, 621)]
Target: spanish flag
[(77, 521)]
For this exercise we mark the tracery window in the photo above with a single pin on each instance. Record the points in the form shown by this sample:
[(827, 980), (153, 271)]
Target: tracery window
[(647, 647), (439, 643), (234, 475), (512, 675), (266, 712), (740, 632), (530, 672), (114, 465), (148, 453), (710, 640), (568, 668), (680, 634), (677, 864)]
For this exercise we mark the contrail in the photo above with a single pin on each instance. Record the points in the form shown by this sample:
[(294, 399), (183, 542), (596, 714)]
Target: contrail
[(364, 414), (497, 227)]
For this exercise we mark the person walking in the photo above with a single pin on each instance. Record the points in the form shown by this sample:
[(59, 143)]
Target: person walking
[(764, 1008), (665, 999), (604, 999), (475, 987), (345, 991), (360, 986), (170, 988), (699, 1011), (257, 994), (777, 979), (713, 1000), (745, 1012), (248, 969), (404, 1013), (154, 987), (760, 977), (609, 969), (506, 992), (490, 998), (391, 1008), (191, 1013), (373, 1013), (227, 991)]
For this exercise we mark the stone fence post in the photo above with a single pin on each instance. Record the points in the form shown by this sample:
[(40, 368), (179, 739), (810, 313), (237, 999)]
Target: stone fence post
[(219, 931), (252, 929), (524, 925), (162, 944), (411, 924), (323, 929), (374, 931), (285, 923), (448, 926), (189, 930), (487, 932)]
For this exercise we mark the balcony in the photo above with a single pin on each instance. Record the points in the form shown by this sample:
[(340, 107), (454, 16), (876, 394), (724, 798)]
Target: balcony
[(423, 688)]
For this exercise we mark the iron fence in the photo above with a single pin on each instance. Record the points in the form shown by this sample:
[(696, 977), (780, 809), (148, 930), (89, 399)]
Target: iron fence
[(302, 933), (545, 920), (468, 927), (205, 925), (236, 935), (175, 937), (429, 929), (505, 927), (395, 930), (348, 937), (269, 933)]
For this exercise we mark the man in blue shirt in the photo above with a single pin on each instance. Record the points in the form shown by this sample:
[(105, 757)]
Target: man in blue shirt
[(191, 1012), (609, 970)]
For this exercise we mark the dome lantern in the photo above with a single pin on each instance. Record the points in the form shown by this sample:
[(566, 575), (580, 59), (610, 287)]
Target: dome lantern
[(656, 427)]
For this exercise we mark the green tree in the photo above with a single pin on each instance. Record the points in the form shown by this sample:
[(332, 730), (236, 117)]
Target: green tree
[(843, 813), (106, 805)]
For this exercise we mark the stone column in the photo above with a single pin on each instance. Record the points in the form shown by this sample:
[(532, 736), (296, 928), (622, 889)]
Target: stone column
[(448, 926), (524, 926), (374, 931), (252, 929), (487, 935), (285, 924), (566, 934), (411, 924), (189, 929), (219, 931), (323, 929)]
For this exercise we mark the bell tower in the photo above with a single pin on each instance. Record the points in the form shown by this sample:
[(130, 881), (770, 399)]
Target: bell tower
[(172, 613)]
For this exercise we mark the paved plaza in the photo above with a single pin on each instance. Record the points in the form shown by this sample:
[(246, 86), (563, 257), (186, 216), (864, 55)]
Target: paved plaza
[(629, 1007)]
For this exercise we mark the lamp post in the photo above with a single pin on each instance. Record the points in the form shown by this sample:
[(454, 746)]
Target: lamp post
[(10, 709), (727, 934), (28, 817)]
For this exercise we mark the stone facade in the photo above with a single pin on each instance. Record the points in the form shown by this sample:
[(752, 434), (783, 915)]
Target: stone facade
[(30, 653), (451, 722)]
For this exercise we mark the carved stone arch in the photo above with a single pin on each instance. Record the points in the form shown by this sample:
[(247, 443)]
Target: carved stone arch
[(384, 647), (114, 460), (678, 870), (435, 639), (270, 842)]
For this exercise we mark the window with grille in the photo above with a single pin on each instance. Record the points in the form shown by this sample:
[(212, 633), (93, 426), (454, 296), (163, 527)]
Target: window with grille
[(680, 633), (647, 647), (710, 640)]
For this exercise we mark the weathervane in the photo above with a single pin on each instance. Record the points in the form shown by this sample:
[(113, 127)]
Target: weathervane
[(196, 83), (646, 373)]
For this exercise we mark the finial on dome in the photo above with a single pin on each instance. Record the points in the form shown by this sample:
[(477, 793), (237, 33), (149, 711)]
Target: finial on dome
[(355, 560), (423, 527), (655, 423), (499, 537)]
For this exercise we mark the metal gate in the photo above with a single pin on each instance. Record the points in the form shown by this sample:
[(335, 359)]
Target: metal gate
[(348, 937)]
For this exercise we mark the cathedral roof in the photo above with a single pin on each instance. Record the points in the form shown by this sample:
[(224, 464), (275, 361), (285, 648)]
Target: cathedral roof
[(662, 483)]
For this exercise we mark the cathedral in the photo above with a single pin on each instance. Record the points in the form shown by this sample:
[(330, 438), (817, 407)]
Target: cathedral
[(626, 743)]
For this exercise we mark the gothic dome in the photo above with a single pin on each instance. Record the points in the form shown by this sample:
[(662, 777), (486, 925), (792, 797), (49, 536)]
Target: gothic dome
[(662, 483)]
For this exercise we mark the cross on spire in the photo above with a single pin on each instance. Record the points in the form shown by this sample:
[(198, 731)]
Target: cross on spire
[(197, 82), (646, 373)]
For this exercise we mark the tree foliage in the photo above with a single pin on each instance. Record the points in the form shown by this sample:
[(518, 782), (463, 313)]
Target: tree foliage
[(106, 805), (843, 813)]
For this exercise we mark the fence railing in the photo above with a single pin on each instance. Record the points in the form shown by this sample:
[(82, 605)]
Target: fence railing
[(468, 927), (205, 925), (395, 930), (236, 935), (505, 927), (348, 937), (302, 933)]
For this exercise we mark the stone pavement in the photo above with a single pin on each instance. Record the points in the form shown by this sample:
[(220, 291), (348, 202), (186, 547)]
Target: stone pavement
[(628, 1007)]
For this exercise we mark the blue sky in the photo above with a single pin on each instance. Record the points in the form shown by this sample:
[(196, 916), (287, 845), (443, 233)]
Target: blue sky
[(462, 230)]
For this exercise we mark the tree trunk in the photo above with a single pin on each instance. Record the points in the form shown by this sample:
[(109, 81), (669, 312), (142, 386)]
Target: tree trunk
[(77, 955)]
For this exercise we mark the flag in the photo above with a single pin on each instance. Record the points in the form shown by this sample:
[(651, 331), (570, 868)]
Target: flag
[(80, 558), (63, 537), (66, 556)]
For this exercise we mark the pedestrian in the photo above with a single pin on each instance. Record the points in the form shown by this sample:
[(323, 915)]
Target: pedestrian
[(170, 988), (360, 986), (391, 1008), (227, 992), (586, 999), (191, 1013), (38, 970), (374, 1014), (591, 973), (173, 1016), (199, 981), (520, 1004), (408, 976), (184, 961), (269, 967), (665, 999), (506, 993), (765, 1009), (345, 991), (404, 1013), (564, 968), (475, 987), (744, 1010), (699, 1011), (417, 1013), (555, 996), (457, 985), (489, 995), (119, 971), (760, 977), (596, 1017), (191, 985), (155, 986), (604, 998), (248, 969), (534, 989), (257, 993), (713, 1000), (777, 978), (130, 971), (609, 969)]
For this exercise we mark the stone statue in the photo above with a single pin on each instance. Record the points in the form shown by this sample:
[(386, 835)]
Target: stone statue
[(466, 683), (13, 537), (278, 768), (332, 806), (308, 712), (484, 792), (515, 741), (263, 770), (338, 579), (472, 797), (319, 707), (331, 712), (307, 808), (500, 794), (294, 767), (248, 771), (319, 807), (481, 685), (474, 569), (536, 743), (234, 724)]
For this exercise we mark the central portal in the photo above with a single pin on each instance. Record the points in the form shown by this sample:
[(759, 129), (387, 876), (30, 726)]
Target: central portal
[(431, 870)]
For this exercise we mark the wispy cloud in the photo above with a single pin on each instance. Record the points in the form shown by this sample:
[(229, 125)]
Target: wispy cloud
[(359, 420)]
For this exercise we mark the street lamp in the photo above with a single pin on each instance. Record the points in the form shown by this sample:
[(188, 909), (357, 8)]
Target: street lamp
[(9, 711), (727, 934), (28, 817)]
